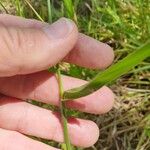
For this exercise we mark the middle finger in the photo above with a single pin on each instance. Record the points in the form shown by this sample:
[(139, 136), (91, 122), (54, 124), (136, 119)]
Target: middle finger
[(43, 87)]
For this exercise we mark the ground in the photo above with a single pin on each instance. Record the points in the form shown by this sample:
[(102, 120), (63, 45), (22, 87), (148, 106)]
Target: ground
[(124, 25)]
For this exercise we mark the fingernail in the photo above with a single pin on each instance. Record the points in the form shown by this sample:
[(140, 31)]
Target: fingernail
[(59, 29)]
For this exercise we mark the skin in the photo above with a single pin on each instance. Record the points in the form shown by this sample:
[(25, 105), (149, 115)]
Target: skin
[(28, 48)]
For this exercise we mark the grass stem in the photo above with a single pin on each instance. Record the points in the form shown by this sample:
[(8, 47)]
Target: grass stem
[(35, 12), (4, 7), (49, 11), (63, 112)]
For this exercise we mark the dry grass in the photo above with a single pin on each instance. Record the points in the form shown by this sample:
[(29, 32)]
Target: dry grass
[(122, 128)]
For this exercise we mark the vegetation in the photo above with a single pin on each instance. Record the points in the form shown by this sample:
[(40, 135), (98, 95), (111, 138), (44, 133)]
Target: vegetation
[(125, 26)]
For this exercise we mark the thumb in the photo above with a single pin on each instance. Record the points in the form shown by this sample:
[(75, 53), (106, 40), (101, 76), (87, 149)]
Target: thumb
[(28, 50)]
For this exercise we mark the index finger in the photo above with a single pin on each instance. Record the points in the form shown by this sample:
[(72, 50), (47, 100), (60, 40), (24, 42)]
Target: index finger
[(87, 52)]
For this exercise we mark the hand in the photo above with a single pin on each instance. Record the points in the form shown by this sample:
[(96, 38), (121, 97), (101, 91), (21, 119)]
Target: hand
[(27, 48)]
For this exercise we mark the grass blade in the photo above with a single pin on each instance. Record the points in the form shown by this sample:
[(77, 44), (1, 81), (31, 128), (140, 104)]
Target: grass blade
[(36, 13), (70, 10), (19, 8), (49, 11), (111, 74), (69, 7), (4, 7)]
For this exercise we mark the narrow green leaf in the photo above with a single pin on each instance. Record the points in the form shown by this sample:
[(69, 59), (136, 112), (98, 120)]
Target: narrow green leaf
[(111, 74), (49, 11), (35, 12), (4, 7), (69, 8), (19, 8)]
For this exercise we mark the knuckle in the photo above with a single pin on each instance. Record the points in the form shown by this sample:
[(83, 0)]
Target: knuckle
[(6, 38), (17, 45), (25, 41), (16, 39), (9, 38)]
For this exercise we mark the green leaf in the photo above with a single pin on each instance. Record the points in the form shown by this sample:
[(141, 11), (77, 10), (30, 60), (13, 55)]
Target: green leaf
[(111, 74), (69, 8), (35, 12), (49, 11)]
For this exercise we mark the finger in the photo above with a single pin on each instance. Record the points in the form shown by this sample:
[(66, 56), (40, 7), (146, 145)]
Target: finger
[(12, 140), (43, 87), (27, 50), (87, 52), (90, 53), (16, 21), (32, 120)]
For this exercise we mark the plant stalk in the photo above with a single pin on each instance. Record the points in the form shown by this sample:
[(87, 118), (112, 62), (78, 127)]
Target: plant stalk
[(35, 12), (4, 8), (61, 91), (49, 11), (63, 112)]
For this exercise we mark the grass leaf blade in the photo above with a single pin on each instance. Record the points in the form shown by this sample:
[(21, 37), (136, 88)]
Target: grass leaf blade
[(1, 4), (49, 11), (111, 74), (69, 7), (35, 12)]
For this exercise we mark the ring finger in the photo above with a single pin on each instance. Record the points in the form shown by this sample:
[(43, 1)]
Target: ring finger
[(28, 119), (20, 142)]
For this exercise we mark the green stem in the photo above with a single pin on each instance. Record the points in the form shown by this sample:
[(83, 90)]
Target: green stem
[(63, 113), (69, 8), (61, 91), (111, 74), (4, 7), (35, 12), (49, 11)]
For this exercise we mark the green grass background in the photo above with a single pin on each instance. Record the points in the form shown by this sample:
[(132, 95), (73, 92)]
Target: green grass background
[(124, 25)]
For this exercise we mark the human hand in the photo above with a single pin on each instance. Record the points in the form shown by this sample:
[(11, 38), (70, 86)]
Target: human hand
[(27, 48)]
